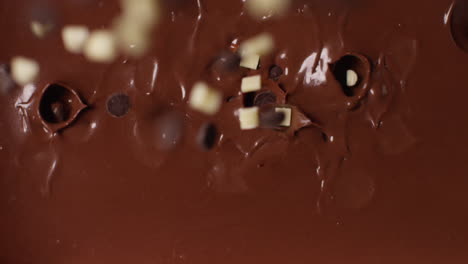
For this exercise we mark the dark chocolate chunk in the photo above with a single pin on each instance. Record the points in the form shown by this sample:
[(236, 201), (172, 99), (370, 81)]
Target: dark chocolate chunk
[(248, 99), (226, 62), (265, 98), (275, 72), (118, 105), (170, 127), (270, 118), (207, 136)]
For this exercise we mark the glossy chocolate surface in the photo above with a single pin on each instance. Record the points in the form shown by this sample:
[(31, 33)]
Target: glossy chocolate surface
[(377, 174)]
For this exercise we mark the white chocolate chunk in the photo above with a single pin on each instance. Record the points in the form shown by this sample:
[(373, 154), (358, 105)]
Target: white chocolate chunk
[(205, 99), (23, 70), (101, 46), (351, 78), (262, 9), (287, 115), (134, 27), (251, 84), (133, 38), (141, 11), (74, 38), (40, 30), (249, 118), (250, 61), (261, 45)]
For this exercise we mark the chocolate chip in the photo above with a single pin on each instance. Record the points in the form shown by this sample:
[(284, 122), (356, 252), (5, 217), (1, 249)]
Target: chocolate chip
[(6, 82), (265, 98), (60, 112), (270, 118), (169, 130), (227, 62), (248, 99), (118, 105), (275, 72), (207, 136)]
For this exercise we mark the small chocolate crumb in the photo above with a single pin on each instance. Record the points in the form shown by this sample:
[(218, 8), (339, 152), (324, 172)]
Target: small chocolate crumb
[(59, 111), (207, 136), (270, 118), (275, 72), (118, 105), (248, 99), (265, 98)]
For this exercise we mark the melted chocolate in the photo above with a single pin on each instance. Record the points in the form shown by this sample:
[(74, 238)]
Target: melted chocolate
[(378, 175)]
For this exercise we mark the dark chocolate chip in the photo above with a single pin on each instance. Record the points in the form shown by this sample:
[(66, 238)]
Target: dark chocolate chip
[(265, 98), (6, 82), (270, 118), (207, 136), (60, 112), (118, 105), (275, 72), (170, 128), (248, 99), (226, 62)]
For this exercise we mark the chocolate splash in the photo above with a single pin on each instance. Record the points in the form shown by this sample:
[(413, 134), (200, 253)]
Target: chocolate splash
[(362, 67), (59, 106), (459, 24)]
